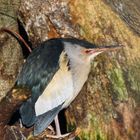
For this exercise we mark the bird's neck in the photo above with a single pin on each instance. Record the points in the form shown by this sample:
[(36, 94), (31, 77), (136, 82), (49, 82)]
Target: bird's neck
[(79, 66), (80, 72)]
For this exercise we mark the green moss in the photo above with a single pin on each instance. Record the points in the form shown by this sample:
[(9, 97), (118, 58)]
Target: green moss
[(71, 127), (94, 130), (118, 83), (134, 82), (77, 138), (94, 135)]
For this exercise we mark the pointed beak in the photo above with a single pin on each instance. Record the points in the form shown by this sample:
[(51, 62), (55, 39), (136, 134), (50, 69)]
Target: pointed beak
[(103, 49)]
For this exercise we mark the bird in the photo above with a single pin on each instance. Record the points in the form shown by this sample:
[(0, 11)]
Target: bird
[(55, 72)]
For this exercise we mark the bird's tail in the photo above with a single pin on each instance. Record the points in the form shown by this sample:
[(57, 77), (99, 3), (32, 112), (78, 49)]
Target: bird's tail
[(27, 113), (44, 120)]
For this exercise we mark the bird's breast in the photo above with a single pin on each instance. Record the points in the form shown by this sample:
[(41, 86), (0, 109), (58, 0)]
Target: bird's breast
[(64, 86), (58, 91), (80, 74)]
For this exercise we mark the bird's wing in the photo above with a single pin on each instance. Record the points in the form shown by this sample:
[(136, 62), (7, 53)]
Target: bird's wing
[(43, 121), (40, 67), (37, 72), (59, 90)]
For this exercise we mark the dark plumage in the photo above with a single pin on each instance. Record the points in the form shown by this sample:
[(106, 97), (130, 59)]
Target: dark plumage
[(37, 72)]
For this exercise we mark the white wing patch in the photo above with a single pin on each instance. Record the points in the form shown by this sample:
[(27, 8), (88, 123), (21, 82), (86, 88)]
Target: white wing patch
[(58, 91)]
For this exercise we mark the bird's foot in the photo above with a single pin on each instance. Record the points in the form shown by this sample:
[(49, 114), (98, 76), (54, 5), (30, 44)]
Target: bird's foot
[(61, 136), (51, 129), (69, 136)]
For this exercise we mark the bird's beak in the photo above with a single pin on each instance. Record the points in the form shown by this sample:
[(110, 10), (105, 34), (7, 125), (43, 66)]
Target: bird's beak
[(103, 49)]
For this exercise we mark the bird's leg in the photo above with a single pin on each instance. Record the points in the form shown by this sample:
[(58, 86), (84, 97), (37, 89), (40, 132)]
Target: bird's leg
[(58, 131), (20, 123), (57, 126)]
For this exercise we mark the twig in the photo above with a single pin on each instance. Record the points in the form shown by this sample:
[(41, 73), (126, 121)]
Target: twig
[(15, 34)]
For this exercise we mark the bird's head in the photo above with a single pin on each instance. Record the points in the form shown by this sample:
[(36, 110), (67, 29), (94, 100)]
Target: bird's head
[(84, 51)]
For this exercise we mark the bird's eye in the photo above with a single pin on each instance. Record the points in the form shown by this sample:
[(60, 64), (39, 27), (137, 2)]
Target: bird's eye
[(88, 51)]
